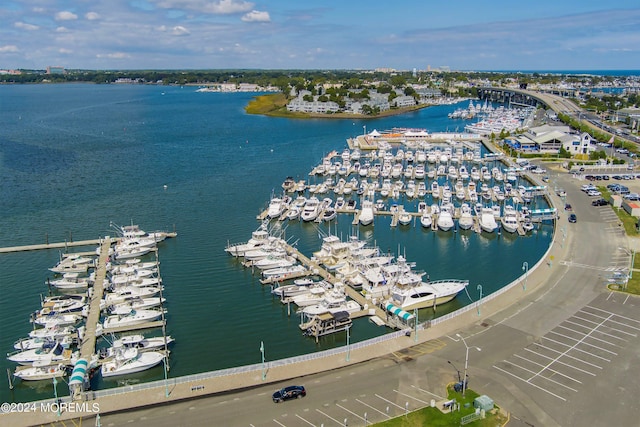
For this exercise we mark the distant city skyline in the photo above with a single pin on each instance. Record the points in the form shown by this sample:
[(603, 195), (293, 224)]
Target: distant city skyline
[(320, 34)]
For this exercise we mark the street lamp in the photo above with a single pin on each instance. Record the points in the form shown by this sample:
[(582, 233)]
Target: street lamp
[(264, 374), (348, 346), (479, 287), (415, 334), (525, 268), (466, 363)]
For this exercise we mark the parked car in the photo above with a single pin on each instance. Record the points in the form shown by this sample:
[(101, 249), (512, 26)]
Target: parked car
[(567, 207), (290, 392), (599, 202), (573, 218), (594, 193)]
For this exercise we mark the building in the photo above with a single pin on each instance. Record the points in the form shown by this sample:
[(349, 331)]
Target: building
[(52, 69)]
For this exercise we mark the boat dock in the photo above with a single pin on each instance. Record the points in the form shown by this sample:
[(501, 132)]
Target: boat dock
[(88, 346)]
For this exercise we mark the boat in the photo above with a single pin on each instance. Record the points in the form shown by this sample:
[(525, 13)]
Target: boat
[(310, 210), (134, 317), (289, 184), (281, 273), (73, 264), (258, 238), (509, 219), (404, 218), (435, 190), (48, 354), (329, 214), (426, 220), (143, 343), (332, 302), (134, 303), (40, 373), (293, 213), (38, 342), (366, 214), (487, 220), (129, 361), (426, 294), (53, 318), (276, 207), (466, 218), (121, 294), (276, 261), (64, 303), (313, 296), (445, 218), (53, 332), (71, 281)]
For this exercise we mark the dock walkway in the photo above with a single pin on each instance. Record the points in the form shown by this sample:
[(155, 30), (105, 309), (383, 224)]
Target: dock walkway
[(88, 346)]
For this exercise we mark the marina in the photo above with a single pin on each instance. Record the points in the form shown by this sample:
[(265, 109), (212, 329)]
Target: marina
[(206, 276)]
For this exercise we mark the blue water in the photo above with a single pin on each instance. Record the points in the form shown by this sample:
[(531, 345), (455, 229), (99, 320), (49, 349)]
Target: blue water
[(75, 157)]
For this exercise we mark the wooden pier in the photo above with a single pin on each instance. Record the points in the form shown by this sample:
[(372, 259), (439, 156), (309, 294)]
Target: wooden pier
[(88, 346)]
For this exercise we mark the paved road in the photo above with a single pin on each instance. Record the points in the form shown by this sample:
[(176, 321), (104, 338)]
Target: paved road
[(561, 356)]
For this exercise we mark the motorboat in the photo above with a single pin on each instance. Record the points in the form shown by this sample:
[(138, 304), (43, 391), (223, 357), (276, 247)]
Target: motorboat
[(445, 217), (329, 214), (404, 218), (129, 360), (435, 190), (366, 214), (143, 343), (48, 354), (53, 332), (134, 317), (126, 280), (288, 291), (122, 293), (41, 372), (64, 303), (332, 302), (73, 264), (53, 318), (466, 218), (426, 220), (281, 273), (293, 213), (509, 219), (276, 207), (274, 262), (258, 238), (310, 210), (71, 281), (487, 220), (426, 294), (38, 342), (134, 303)]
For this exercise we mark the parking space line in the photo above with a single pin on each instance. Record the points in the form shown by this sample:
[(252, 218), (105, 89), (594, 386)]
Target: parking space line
[(388, 401), (349, 411), (601, 332), (279, 423), (626, 299), (374, 408), (567, 356), (411, 397), (534, 385), (427, 391), (563, 363), (592, 337), (615, 314), (330, 417), (573, 347), (552, 370), (308, 422)]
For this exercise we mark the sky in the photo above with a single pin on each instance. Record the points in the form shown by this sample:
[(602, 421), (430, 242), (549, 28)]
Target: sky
[(321, 34)]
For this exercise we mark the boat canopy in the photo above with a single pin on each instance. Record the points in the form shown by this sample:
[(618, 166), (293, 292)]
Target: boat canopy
[(79, 372), (405, 316)]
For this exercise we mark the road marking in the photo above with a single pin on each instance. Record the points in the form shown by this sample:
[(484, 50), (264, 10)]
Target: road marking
[(311, 424), (534, 385), (567, 356), (427, 391), (626, 299), (278, 422), (590, 267), (585, 343), (330, 417), (390, 402), (374, 408), (573, 347), (349, 411), (411, 397), (552, 370), (600, 332), (562, 363), (592, 337)]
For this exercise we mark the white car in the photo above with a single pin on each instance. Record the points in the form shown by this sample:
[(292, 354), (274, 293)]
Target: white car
[(594, 193)]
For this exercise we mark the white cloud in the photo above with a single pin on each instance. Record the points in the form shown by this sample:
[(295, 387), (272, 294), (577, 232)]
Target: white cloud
[(220, 7), (65, 51), (62, 30), (92, 16), (179, 30), (114, 55), (66, 16), (25, 26), (256, 16), (9, 48), (38, 9)]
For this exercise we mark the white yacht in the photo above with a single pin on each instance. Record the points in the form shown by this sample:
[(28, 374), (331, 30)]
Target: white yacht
[(487, 220), (44, 355), (134, 317), (366, 214), (405, 218), (311, 209), (143, 343), (426, 294), (258, 238), (466, 218), (445, 218), (509, 219), (130, 360), (39, 373), (426, 220)]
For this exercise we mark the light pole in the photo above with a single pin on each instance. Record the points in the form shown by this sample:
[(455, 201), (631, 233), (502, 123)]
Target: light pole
[(479, 287), (466, 363), (525, 268), (264, 374), (415, 334), (348, 346)]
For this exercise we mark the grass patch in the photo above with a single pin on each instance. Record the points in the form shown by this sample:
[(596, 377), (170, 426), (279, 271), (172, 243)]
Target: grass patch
[(264, 104), (433, 417)]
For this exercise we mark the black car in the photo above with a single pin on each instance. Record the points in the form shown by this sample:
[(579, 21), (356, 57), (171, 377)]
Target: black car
[(567, 207), (599, 202), (290, 392), (573, 218)]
